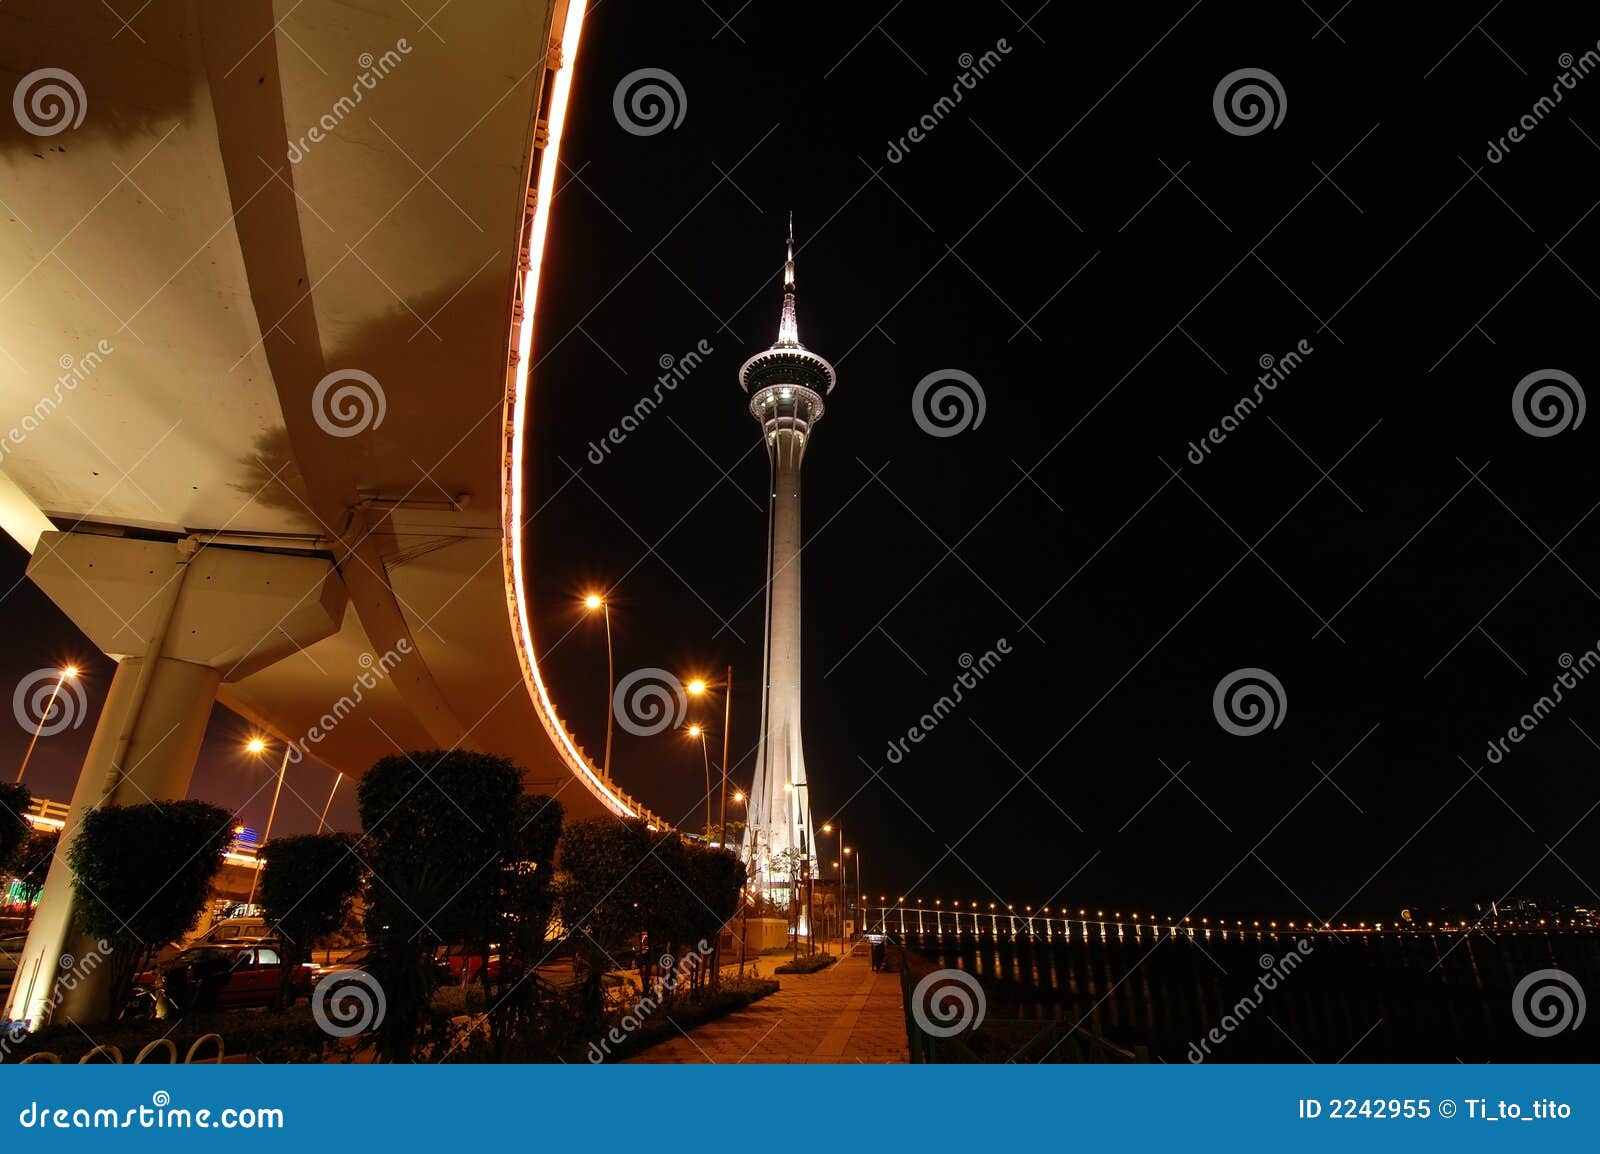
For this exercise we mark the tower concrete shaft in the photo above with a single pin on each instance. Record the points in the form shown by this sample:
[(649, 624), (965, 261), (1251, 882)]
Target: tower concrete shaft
[(786, 385)]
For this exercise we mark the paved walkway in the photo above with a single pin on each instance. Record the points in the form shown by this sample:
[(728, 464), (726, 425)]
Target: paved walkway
[(846, 1013)]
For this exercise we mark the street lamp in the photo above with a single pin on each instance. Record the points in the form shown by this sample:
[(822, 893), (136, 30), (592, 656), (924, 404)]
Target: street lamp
[(258, 746), (850, 851), (697, 688), (838, 831), (327, 805), (592, 602), (68, 672), (698, 731)]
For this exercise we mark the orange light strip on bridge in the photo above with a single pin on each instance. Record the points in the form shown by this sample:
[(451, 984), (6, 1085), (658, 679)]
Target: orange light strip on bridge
[(545, 190)]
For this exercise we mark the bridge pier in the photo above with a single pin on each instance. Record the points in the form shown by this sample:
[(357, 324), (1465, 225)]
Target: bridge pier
[(181, 618)]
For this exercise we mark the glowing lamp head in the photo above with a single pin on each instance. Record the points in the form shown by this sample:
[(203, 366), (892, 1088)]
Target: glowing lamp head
[(696, 687), (738, 796), (827, 827), (593, 601), (70, 672), (255, 745), (695, 731)]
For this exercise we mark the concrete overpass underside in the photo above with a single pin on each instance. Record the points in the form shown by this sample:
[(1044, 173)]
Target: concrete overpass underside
[(266, 331)]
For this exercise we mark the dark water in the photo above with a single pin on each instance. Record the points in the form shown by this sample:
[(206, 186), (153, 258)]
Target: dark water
[(1420, 997)]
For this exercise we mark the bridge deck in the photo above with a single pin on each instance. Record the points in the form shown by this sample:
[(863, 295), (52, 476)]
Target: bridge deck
[(845, 1013)]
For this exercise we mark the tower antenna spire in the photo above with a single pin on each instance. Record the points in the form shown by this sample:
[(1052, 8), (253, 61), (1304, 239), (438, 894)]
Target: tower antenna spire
[(788, 325)]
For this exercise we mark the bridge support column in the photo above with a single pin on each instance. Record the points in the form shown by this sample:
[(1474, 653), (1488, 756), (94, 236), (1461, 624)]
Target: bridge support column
[(182, 619)]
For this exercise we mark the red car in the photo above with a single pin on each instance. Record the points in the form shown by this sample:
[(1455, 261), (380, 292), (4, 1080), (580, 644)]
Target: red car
[(228, 977), (459, 964)]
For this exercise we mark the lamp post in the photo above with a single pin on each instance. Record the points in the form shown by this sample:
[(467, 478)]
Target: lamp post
[(851, 850), (327, 805), (838, 867), (698, 731), (258, 746), (592, 602), (69, 671), (697, 687), (744, 897)]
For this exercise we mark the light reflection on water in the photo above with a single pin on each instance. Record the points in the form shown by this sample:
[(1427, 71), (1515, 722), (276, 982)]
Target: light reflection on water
[(1409, 997)]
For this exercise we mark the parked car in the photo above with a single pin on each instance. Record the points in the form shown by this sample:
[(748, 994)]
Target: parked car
[(460, 964), (227, 977), (360, 958), (234, 930), (348, 969), (227, 932)]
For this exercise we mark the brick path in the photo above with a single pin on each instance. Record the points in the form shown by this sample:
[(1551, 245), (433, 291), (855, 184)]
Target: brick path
[(846, 1013)]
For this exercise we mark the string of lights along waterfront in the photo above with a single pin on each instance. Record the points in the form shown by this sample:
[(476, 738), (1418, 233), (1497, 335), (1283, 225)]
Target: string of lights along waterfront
[(786, 384), (904, 919)]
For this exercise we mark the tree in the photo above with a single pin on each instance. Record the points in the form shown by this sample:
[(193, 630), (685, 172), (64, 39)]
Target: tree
[(33, 864), (788, 864), (623, 879), (14, 827), (141, 875), (517, 924), (600, 899), (439, 827), (307, 885), (717, 876)]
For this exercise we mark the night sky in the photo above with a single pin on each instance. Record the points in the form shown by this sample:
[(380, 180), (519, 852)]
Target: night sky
[(1084, 237)]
